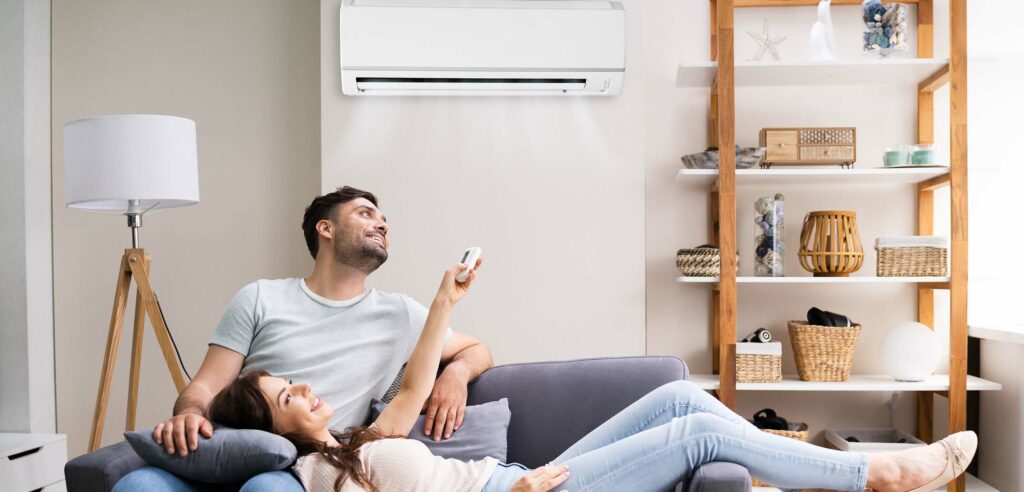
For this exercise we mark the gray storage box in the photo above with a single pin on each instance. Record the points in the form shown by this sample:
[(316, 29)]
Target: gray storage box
[(871, 439)]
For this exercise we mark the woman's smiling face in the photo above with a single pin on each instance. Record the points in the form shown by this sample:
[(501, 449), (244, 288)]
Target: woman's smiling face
[(296, 409)]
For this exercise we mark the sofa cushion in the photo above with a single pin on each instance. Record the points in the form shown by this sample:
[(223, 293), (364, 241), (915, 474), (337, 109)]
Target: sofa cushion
[(231, 455), (484, 432)]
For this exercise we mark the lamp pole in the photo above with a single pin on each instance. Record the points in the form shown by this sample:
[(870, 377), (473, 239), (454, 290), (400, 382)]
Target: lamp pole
[(134, 215)]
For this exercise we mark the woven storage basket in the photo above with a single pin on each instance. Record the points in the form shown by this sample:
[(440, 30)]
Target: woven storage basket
[(914, 261), (823, 353), (799, 432), (758, 367), (702, 261)]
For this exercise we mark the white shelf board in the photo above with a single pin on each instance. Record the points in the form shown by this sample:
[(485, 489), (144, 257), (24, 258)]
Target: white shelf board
[(894, 71), (878, 177), (935, 382), (974, 484), (999, 333), (818, 280)]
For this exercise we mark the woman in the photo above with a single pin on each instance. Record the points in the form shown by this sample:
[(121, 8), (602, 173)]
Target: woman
[(651, 445)]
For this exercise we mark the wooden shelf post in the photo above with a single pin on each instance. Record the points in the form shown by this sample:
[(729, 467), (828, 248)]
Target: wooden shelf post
[(925, 201), (958, 222), (726, 132)]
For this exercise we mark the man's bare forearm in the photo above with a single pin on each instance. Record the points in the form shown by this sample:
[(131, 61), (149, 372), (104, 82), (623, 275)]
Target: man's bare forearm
[(194, 399), (469, 362)]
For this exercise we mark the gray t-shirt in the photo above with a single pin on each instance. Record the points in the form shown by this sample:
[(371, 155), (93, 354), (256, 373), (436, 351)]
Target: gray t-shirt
[(349, 351)]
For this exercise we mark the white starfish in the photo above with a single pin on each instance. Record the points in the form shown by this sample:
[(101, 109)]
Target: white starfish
[(766, 43)]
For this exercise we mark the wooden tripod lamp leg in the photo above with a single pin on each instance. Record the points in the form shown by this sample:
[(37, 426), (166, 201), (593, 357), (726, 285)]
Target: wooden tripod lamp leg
[(133, 378), (124, 276), (137, 258)]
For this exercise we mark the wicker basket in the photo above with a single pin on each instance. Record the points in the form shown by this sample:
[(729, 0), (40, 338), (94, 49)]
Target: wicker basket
[(702, 261), (799, 432), (758, 362), (912, 261), (823, 353)]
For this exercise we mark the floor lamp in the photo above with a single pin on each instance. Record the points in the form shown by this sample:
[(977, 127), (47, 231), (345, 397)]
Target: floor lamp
[(130, 165)]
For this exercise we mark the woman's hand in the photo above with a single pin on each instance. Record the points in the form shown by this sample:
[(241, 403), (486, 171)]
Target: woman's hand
[(542, 479), (452, 291)]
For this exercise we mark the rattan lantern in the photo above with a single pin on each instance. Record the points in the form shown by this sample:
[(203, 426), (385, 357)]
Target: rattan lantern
[(830, 244)]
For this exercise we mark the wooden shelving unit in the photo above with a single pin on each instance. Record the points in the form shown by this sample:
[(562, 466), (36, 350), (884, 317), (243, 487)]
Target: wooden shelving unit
[(721, 75)]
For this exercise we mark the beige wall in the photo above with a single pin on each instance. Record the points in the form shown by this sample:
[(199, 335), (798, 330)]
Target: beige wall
[(246, 72), (551, 189)]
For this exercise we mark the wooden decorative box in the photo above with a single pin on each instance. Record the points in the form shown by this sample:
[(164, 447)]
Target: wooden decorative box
[(809, 146)]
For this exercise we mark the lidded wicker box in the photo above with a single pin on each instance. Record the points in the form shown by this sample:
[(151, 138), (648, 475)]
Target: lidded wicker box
[(758, 362), (912, 256)]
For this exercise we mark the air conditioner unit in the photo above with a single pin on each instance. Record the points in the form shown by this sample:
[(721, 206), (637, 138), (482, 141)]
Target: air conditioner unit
[(482, 47)]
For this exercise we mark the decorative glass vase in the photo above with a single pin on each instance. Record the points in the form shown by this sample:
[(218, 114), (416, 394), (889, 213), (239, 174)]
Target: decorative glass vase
[(769, 240)]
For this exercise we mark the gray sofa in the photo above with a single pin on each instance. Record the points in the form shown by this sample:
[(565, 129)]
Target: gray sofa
[(553, 405)]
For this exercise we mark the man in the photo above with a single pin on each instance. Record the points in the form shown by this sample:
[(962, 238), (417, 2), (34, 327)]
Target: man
[(328, 329)]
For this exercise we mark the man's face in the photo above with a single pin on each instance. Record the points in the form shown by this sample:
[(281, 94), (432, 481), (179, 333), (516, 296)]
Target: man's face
[(360, 238)]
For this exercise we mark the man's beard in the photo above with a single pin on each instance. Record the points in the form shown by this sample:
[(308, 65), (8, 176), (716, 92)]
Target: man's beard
[(360, 254)]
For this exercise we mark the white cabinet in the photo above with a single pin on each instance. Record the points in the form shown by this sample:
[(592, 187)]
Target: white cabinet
[(32, 461)]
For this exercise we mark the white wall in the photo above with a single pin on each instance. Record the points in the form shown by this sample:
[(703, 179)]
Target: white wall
[(26, 292), (996, 176), (246, 72), (551, 189)]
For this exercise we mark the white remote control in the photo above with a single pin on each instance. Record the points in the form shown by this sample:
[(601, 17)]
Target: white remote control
[(468, 258)]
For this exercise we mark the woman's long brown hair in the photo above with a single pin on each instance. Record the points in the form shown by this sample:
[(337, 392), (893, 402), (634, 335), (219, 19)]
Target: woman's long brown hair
[(242, 406)]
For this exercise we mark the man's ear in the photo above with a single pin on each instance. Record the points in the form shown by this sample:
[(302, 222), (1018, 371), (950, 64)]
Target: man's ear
[(325, 228)]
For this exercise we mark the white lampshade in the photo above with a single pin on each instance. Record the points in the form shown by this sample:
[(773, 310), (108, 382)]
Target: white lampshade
[(910, 351), (112, 161)]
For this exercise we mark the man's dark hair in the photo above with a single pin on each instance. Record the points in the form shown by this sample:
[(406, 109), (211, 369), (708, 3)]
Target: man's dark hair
[(323, 207)]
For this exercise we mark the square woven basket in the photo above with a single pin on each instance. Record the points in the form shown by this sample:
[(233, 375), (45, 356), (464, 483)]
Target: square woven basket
[(912, 261), (758, 362)]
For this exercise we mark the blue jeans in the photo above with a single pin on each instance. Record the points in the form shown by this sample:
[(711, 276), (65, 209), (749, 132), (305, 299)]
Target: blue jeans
[(661, 439), (152, 478)]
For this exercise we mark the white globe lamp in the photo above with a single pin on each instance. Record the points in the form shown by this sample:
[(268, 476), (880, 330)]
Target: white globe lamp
[(910, 351)]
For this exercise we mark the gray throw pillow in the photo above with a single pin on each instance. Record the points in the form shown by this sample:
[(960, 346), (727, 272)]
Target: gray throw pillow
[(231, 455), (484, 432)]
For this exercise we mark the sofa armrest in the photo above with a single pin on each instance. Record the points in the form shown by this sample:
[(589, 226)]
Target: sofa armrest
[(99, 470), (720, 477)]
